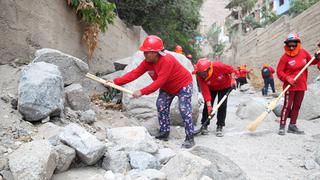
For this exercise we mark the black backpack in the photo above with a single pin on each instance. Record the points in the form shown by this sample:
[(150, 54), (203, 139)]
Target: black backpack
[(265, 72)]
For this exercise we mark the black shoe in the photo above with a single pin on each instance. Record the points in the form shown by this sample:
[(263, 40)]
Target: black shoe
[(294, 129), (188, 142), (282, 131), (219, 131), (204, 130), (164, 135)]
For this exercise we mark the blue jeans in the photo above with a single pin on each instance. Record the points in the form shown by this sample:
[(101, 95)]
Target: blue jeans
[(267, 82), (185, 107)]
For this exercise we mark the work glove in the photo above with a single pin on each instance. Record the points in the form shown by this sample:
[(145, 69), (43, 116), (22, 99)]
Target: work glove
[(290, 80), (317, 55), (209, 109)]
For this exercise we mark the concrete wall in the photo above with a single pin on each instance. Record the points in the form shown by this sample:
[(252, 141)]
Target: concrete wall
[(28, 25), (265, 45)]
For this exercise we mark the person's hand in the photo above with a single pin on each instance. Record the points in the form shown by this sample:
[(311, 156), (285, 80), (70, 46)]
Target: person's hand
[(233, 84), (108, 81), (209, 109), (291, 81), (137, 94)]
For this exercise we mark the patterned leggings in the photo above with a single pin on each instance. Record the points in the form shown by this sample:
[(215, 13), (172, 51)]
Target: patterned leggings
[(185, 107)]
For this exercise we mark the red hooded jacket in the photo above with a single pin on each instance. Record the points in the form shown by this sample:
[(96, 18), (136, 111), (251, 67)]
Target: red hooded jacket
[(291, 66), (167, 74), (243, 73), (219, 80), (272, 71)]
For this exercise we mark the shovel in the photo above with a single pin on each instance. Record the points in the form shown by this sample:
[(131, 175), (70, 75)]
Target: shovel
[(213, 113)]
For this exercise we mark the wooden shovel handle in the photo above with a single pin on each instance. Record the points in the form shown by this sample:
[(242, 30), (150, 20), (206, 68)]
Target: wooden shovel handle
[(95, 78)]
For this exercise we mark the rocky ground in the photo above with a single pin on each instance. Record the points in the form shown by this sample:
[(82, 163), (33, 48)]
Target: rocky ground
[(238, 155)]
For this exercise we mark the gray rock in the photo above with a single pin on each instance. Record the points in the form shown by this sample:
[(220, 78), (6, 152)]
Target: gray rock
[(7, 175), (47, 131), (314, 176), (317, 155), (88, 116), (221, 166), (40, 91), (134, 138), (116, 161), (85, 173), (111, 76), (142, 160), (66, 156), (4, 163), (310, 164), (72, 68), (150, 174), (186, 166), (205, 178), (88, 148), (76, 98), (109, 175), (144, 108), (35, 160), (311, 102), (252, 108), (164, 155)]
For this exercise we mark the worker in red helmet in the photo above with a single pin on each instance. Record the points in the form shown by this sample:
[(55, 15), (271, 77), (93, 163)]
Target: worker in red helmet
[(237, 76), (290, 64), (171, 78), (215, 80), (178, 49)]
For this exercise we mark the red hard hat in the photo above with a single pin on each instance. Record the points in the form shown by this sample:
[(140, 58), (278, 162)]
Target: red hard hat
[(189, 56), (152, 43), (203, 64), (292, 37)]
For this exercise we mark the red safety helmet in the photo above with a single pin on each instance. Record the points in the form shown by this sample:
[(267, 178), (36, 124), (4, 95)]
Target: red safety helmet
[(292, 37), (178, 49), (189, 56), (203, 64), (152, 43)]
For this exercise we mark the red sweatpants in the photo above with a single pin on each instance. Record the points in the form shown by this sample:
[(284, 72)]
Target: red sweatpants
[(292, 104)]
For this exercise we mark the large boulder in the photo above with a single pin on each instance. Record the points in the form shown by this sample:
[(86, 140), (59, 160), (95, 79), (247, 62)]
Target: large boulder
[(221, 167), (164, 155), (40, 91), (76, 98), (252, 108), (142, 160), (33, 161), (72, 68), (88, 148), (144, 108), (311, 102), (186, 166), (121, 63), (134, 138)]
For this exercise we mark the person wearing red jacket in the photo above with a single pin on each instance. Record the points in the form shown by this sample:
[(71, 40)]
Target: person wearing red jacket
[(215, 80), (237, 75), (243, 72), (290, 64), (171, 78), (267, 72)]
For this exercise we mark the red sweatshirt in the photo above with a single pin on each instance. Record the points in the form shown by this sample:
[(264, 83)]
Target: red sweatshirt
[(167, 74), (272, 71), (291, 66), (237, 73), (220, 79), (243, 73)]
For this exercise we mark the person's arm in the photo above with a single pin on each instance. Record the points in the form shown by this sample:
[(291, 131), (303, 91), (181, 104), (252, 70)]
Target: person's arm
[(132, 75), (204, 90), (314, 62), (271, 70), (280, 69), (166, 68)]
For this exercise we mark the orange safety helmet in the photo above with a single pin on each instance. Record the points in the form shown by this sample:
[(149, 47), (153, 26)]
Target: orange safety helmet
[(178, 49), (189, 56), (152, 43), (292, 37), (243, 67), (202, 65), (265, 65)]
